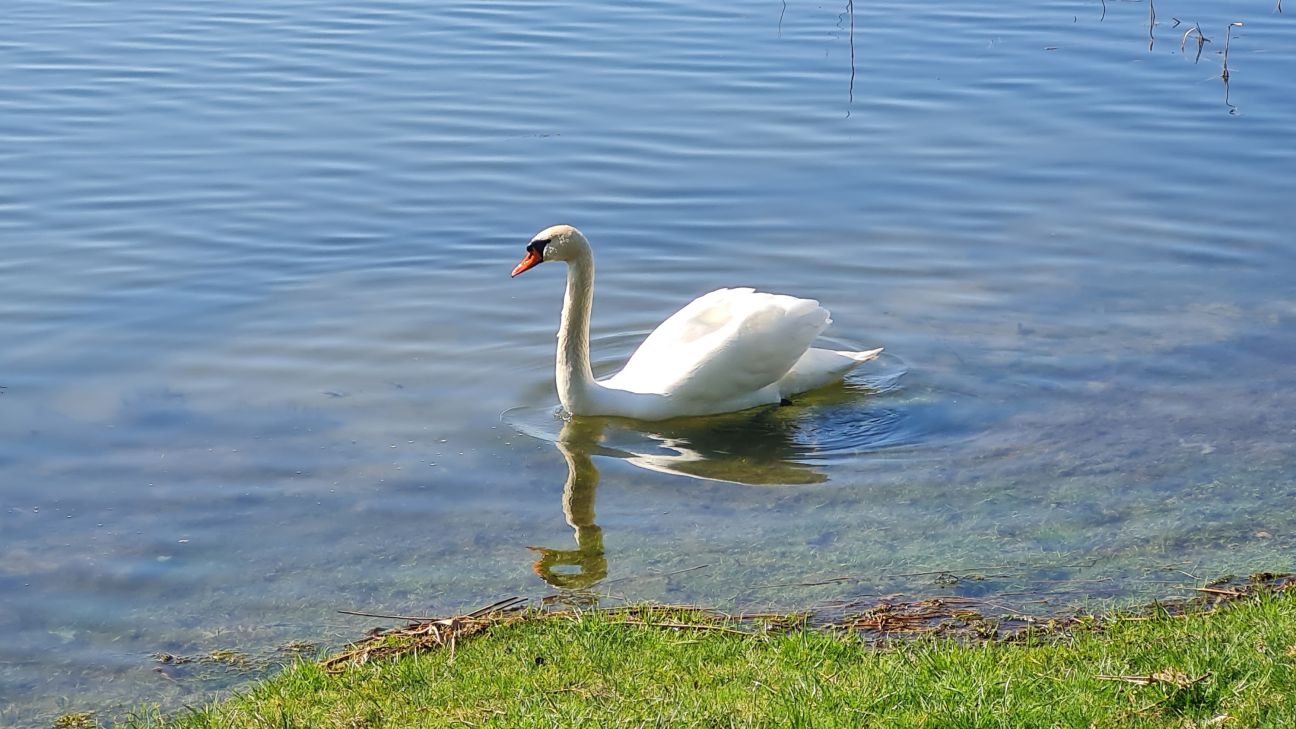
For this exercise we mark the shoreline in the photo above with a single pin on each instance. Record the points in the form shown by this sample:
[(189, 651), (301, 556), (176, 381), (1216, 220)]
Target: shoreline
[(1227, 656)]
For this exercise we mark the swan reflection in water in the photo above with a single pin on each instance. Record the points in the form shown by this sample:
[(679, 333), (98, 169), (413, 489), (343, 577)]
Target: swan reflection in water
[(576, 443), (770, 446)]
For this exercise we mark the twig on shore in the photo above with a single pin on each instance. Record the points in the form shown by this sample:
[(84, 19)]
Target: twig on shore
[(683, 626), (1221, 591), (508, 603), (1167, 676), (386, 617), (505, 604)]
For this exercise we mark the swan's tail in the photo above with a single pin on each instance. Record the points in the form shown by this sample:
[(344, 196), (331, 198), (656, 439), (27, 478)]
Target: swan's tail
[(818, 367), (861, 357)]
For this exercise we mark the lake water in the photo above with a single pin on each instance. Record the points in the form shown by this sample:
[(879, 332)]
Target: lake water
[(262, 359)]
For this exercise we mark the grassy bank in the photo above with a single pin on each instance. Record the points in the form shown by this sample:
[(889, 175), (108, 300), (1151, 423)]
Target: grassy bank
[(1234, 666)]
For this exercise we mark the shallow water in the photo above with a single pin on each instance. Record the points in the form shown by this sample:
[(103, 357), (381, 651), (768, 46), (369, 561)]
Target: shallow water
[(263, 360)]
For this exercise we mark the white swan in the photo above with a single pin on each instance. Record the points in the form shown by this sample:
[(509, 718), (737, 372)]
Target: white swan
[(728, 350)]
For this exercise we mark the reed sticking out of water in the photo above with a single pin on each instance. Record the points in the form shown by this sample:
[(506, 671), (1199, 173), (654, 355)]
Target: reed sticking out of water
[(850, 10), (1201, 40), (1151, 24), (848, 16), (1228, 36)]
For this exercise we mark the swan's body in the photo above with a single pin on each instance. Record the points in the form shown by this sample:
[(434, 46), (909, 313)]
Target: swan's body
[(728, 350)]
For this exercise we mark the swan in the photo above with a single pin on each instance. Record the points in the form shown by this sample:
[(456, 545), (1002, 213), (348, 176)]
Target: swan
[(729, 350)]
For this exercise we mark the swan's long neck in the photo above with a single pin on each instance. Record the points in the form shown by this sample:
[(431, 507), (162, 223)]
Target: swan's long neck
[(575, 378)]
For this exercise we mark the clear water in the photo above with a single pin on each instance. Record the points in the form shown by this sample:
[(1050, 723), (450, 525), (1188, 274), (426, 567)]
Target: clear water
[(262, 359)]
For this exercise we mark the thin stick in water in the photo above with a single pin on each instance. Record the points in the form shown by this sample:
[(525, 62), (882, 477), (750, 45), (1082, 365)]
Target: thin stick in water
[(1228, 37), (1201, 40), (1151, 24)]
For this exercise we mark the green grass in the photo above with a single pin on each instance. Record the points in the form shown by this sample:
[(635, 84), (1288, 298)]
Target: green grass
[(592, 671)]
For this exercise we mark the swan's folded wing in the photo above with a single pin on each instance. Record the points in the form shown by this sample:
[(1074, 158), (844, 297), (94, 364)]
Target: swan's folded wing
[(724, 345)]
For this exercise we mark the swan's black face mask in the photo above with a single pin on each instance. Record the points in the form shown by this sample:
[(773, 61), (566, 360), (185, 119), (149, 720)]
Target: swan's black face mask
[(534, 257)]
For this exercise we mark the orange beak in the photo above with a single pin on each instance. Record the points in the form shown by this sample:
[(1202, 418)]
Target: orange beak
[(532, 260)]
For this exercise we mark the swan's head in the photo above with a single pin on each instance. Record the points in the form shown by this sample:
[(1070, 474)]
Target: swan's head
[(556, 243)]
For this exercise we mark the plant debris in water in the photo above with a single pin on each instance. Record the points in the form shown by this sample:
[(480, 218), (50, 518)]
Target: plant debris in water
[(77, 720)]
